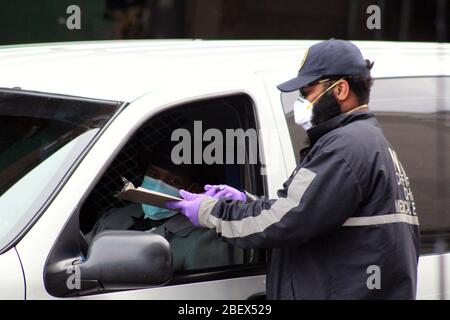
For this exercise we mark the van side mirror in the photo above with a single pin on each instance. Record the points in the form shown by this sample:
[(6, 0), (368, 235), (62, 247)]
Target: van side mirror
[(118, 260)]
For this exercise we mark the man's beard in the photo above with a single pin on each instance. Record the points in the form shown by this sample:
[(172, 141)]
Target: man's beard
[(325, 108)]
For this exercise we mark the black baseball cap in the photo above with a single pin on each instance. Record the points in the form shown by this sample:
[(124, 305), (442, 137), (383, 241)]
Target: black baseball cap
[(328, 58)]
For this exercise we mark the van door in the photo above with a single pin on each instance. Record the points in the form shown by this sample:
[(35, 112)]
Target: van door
[(238, 281)]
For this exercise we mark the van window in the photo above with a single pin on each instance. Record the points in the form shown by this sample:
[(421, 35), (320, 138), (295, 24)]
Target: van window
[(41, 137), (196, 251), (414, 113)]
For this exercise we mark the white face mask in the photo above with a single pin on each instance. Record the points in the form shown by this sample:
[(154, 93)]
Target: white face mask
[(303, 113), (303, 109)]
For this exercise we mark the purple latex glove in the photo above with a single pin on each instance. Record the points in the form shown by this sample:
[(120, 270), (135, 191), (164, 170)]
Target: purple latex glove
[(225, 192), (189, 206)]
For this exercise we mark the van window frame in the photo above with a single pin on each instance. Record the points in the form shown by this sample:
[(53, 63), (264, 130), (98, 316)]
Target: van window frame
[(70, 234), (120, 105)]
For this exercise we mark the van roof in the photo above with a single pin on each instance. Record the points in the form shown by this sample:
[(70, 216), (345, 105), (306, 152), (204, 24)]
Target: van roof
[(126, 69)]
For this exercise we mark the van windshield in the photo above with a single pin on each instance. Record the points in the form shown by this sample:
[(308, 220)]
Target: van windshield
[(41, 136)]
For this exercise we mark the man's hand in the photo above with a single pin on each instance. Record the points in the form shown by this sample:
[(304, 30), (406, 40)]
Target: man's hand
[(225, 192), (189, 206)]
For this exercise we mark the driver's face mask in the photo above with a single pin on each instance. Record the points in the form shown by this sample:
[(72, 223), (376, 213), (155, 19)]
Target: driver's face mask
[(153, 212), (303, 109)]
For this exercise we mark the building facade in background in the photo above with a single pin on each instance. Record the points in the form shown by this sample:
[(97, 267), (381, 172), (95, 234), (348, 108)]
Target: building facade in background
[(23, 21)]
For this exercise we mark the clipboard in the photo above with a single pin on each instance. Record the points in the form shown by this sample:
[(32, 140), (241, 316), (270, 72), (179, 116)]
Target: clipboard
[(141, 195)]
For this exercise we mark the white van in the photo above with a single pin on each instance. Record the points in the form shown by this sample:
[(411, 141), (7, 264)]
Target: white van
[(75, 117)]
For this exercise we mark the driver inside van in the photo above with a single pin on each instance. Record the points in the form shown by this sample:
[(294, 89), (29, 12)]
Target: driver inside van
[(192, 248)]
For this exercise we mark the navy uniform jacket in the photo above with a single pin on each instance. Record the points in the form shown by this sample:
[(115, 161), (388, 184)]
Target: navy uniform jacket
[(344, 225)]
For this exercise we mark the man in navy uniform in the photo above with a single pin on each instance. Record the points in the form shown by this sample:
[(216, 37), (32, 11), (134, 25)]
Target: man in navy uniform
[(344, 225)]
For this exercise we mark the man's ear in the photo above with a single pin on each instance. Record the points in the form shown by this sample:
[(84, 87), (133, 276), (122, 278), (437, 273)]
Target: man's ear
[(342, 90)]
